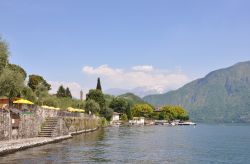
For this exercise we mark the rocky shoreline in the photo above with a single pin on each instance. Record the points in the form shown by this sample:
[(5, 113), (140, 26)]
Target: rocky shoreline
[(11, 146)]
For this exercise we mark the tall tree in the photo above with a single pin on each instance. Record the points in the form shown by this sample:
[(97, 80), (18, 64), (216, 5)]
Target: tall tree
[(98, 86), (68, 93), (96, 95), (61, 92), (35, 80), (4, 54)]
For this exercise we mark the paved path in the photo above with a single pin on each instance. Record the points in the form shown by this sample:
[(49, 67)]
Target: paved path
[(20, 144)]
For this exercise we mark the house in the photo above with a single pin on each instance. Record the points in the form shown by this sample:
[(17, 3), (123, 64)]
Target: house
[(137, 121), (115, 117)]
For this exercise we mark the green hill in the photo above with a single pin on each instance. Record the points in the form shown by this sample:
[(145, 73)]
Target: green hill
[(132, 99), (221, 96)]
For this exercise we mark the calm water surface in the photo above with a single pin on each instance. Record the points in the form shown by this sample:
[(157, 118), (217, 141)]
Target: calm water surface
[(153, 144)]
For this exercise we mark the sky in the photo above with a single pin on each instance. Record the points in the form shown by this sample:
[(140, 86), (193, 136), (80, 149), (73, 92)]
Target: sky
[(151, 44)]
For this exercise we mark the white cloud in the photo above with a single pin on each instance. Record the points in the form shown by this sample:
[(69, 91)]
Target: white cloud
[(143, 68), (74, 87), (138, 76), (101, 70)]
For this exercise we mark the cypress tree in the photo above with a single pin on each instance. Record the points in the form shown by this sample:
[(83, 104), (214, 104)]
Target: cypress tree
[(99, 87), (68, 93), (61, 92)]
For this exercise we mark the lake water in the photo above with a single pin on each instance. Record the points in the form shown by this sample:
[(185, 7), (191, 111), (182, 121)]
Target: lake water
[(148, 144)]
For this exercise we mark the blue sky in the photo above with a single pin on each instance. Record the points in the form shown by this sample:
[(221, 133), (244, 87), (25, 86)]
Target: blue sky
[(74, 42)]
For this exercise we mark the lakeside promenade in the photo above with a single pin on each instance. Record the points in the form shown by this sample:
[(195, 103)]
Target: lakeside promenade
[(11, 146)]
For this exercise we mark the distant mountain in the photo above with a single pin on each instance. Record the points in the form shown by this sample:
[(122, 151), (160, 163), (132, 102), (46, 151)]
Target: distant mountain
[(140, 91), (132, 98), (221, 96)]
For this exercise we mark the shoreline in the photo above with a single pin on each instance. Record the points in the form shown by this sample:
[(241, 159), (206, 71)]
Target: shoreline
[(12, 146)]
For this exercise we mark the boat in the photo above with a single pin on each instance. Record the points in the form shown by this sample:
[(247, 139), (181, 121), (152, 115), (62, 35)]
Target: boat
[(187, 123)]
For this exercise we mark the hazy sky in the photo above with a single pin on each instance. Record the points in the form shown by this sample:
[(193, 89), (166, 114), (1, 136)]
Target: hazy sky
[(157, 44)]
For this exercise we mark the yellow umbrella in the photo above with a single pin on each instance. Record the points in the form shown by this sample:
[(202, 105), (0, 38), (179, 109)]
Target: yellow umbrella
[(70, 109), (23, 101)]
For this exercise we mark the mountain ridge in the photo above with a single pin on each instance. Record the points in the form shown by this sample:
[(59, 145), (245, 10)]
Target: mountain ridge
[(222, 95)]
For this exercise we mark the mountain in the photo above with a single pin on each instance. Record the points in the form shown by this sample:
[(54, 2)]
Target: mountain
[(140, 91), (132, 98), (221, 96)]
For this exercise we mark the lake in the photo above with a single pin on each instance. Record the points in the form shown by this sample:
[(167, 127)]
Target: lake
[(149, 144)]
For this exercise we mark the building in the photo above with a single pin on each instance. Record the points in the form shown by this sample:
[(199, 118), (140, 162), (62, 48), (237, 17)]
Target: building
[(115, 117), (137, 121)]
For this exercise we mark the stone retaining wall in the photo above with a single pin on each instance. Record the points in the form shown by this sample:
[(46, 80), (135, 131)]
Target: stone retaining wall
[(30, 124)]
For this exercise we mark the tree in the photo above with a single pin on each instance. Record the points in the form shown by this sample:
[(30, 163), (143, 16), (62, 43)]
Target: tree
[(4, 55), (35, 80), (11, 83), (41, 93), (92, 106), (17, 69), (124, 117), (97, 96), (68, 93), (142, 110), (28, 94), (129, 113), (119, 105), (172, 112), (98, 86), (61, 92)]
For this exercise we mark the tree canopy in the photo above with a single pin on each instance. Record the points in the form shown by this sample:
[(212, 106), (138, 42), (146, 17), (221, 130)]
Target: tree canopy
[(172, 112), (92, 106), (97, 96), (35, 80), (4, 55), (142, 110), (17, 69)]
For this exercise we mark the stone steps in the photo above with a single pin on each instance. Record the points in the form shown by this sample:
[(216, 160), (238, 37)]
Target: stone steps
[(48, 127)]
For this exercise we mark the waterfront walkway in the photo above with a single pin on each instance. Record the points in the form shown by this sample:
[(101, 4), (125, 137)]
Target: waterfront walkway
[(11, 146), (20, 144)]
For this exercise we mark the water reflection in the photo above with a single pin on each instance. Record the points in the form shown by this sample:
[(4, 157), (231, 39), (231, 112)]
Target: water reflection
[(155, 144)]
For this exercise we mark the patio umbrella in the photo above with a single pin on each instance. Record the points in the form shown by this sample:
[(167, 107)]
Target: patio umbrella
[(23, 101)]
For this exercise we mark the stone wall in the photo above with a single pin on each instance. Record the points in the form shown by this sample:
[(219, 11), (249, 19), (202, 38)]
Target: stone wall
[(31, 122), (5, 125), (80, 123)]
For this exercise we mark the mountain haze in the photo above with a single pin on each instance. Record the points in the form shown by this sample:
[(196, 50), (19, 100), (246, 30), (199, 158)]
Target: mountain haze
[(221, 96)]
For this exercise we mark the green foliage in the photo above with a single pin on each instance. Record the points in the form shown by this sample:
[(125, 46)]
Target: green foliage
[(173, 112), (92, 106), (108, 99), (107, 113), (28, 94), (142, 110), (119, 105), (98, 86), (221, 96), (41, 93), (129, 113), (124, 117), (35, 80), (11, 83), (4, 55), (51, 101), (97, 96), (68, 93), (17, 69), (61, 92)]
